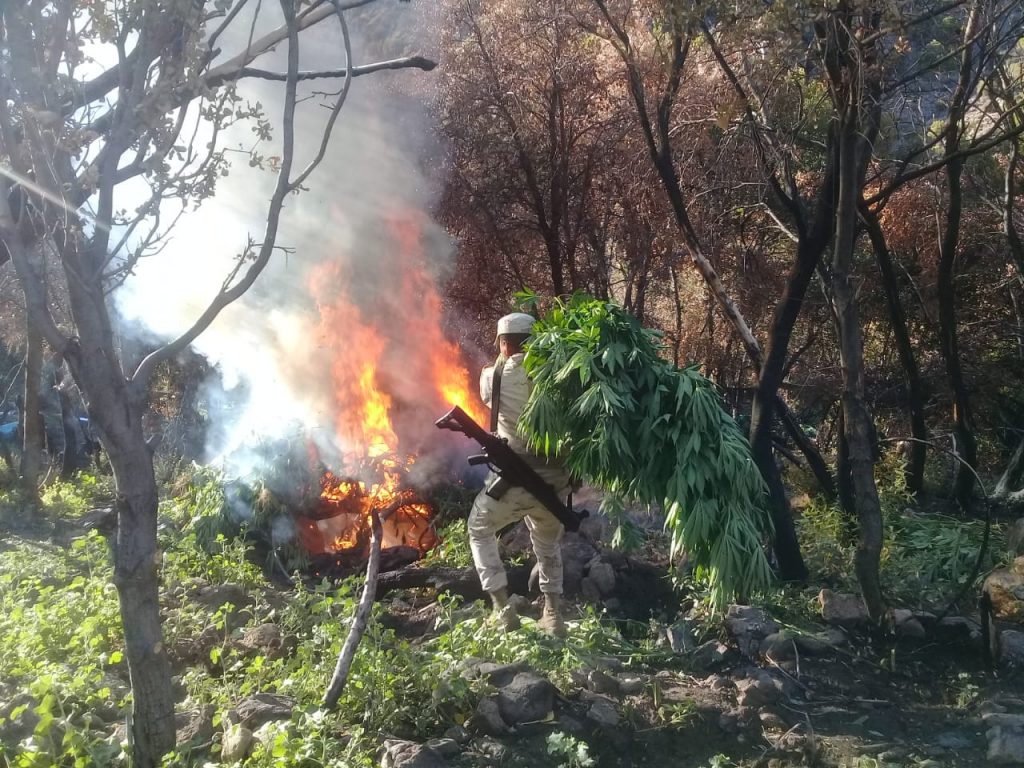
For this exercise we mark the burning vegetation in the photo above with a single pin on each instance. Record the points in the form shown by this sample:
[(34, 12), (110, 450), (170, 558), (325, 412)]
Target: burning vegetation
[(390, 373)]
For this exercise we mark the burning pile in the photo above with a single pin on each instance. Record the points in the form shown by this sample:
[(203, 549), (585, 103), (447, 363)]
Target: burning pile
[(392, 370)]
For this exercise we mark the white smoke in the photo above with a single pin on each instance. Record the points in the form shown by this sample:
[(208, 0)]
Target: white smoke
[(382, 157)]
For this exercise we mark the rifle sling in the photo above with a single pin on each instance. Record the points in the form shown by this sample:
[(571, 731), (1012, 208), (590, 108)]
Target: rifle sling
[(499, 366)]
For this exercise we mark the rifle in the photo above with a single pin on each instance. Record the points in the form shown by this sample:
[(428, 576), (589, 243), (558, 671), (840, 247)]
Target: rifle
[(510, 468)]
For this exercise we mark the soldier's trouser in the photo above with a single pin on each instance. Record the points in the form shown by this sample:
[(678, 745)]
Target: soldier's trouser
[(488, 516)]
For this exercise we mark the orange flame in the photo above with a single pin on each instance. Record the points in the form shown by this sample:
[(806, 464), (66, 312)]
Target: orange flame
[(384, 361)]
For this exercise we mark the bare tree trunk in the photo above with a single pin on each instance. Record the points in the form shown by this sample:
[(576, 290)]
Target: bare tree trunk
[(1013, 476), (856, 115), (915, 390), (963, 422), (359, 620), (32, 420)]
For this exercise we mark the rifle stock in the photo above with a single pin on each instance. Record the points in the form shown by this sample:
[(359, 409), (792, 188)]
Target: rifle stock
[(510, 467)]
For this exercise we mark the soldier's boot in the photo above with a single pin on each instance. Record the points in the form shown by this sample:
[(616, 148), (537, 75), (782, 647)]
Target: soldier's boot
[(503, 612), (551, 621)]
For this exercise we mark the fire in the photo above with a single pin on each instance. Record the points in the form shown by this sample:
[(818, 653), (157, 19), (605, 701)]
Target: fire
[(392, 369), (341, 522)]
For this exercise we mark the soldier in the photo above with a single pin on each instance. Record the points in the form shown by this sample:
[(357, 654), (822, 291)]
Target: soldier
[(505, 389)]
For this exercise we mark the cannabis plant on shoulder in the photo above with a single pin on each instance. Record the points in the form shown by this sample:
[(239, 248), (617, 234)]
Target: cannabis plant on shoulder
[(631, 423)]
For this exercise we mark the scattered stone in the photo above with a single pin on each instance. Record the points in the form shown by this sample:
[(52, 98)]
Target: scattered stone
[(911, 628), (843, 609), (521, 604), (589, 590), (901, 616), (894, 755), (779, 646), (445, 747), (603, 713), (990, 707), (630, 686), (261, 708), (1005, 588), (729, 722), (814, 646), (266, 639), (488, 719), (457, 734), (1005, 739), (216, 596), (954, 740), (1015, 538), (958, 629), (491, 749), (749, 626), (602, 682), (757, 691), (528, 698), (772, 722), (602, 576), (1011, 648), (194, 728), (14, 729), (710, 654), (498, 675), (719, 683), (235, 744), (680, 637), (409, 754)]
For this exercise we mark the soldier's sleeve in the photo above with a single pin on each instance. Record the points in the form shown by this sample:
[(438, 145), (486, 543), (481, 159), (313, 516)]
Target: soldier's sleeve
[(486, 380)]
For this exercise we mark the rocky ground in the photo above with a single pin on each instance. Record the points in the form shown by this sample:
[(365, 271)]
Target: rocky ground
[(781, 684)]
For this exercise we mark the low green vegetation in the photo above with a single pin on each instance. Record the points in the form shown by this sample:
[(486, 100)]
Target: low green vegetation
[(64, 675)]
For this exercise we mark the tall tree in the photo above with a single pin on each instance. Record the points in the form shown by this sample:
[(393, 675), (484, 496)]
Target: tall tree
[(70, 138)]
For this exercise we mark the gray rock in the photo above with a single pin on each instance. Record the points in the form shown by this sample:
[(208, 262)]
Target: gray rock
[(779, 646), (194, 728), (630, 686), (487, 718), (216, 596), (809, 645), (498, 675), (749, 626), (528, 698), (602, 575), (772, 722), (719, 683), (604, 714), (589, 590), (954, 740), (911, 628), (521, 604), (958, 629), (236, 744), (893, 755), (261, 708), (457, 734), (266, 639), (445, 747), (990, 707), (1015, 538), (1011, 648), (757, 691), (841, 608), (1006, 741), (680, 637), (491, 749), (901, 615), (13, 730), (710, 654), (602, 682), (408, 754)]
